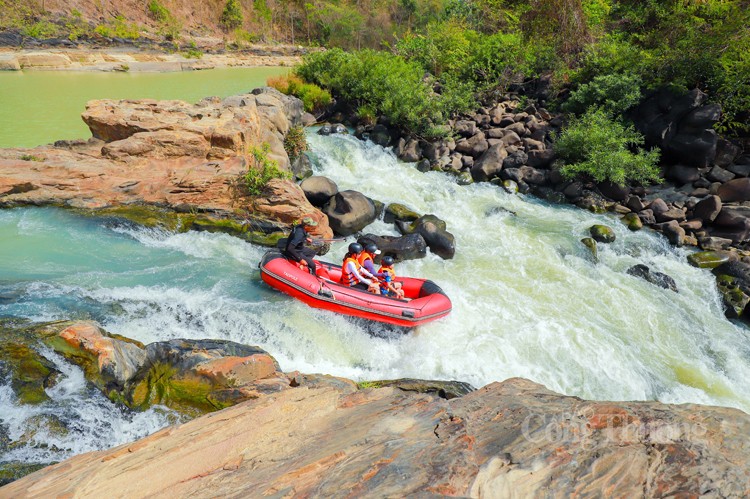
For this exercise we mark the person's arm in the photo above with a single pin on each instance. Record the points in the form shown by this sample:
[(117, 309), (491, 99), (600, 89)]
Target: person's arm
[(351, 268), (370, 267)]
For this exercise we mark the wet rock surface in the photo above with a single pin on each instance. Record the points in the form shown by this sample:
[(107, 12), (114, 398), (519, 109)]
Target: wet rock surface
[(510, 436)]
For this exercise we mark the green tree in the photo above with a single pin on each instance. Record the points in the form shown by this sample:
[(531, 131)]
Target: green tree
[(232, 16)]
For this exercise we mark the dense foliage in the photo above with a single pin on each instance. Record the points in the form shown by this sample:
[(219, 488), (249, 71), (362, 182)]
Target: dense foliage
[(386, 84), (599, 147)]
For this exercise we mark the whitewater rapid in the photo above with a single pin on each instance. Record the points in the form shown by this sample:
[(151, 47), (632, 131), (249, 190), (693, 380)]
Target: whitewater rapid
[(528, 299)]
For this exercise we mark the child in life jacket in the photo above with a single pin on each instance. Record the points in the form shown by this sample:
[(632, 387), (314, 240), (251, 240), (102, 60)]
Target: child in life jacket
[(388, 284)]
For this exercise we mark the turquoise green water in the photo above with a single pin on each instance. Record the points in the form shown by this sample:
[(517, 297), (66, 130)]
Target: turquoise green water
[(38, 107)]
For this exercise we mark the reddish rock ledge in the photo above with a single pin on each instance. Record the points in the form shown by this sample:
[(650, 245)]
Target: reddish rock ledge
[(168, 163), (509, 439)]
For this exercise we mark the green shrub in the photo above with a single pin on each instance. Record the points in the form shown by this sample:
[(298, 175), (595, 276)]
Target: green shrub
[(103, 30), (169, 26), (614, 93), (262, 170), (312, 96), (232, 16), (158, 11), (387, 84), (599, 147), (42, 29), (192, 52), (295, 142), (244, 36)]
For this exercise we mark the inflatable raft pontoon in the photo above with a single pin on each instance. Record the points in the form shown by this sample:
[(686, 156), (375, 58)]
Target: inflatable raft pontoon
[(425, 301)]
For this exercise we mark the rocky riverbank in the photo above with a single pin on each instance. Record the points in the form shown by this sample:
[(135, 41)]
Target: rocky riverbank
[(129, 59), (703, 202), (294, 434), (170, 163)]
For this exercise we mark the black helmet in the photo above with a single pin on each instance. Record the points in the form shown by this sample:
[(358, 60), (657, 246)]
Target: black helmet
[(372, 248), (355, 248), (387, 260)]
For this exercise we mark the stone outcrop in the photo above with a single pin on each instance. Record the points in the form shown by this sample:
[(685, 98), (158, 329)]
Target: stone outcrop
[(511, 438), (168, 163), (138, 61)]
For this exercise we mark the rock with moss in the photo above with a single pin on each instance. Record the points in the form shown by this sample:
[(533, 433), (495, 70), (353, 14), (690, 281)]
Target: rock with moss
[(433, 230), (444, 389), (632, 221), (591, 245), (734, 297), (709, 259), (397, 211), (29, 372), (10, 471), (602, 233)]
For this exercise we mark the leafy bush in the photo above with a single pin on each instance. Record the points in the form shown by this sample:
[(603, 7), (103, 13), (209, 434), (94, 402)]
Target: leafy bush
[(232, 16), (295, 142), (42, 29), (388, 85), (599, 147), (241, 35), (613, 93), (263, 170), (192, 52), (169, 26), (313, 97), (119, 27)]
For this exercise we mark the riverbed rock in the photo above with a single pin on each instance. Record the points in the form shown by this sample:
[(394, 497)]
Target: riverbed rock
[(515, 435), (489, 163), (736, 190), (349, 212), (633, 221), (658, 278), (285, 201), (602, 233), (709, 259), (319, 190), (433, 230), (407, 247), (398, 211)]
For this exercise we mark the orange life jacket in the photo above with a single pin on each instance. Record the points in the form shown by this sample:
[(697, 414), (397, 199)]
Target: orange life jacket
[(386, 270), (363, 257), (348, 277)]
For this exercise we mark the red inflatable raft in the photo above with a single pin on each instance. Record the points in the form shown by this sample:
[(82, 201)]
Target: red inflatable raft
[(424, 302)]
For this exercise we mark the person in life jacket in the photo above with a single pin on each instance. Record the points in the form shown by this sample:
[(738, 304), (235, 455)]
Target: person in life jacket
[(388, 284), (367, 259), (354, 275), (295, 244)]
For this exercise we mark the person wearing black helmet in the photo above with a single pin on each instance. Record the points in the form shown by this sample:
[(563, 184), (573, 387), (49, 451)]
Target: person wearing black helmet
[(367, 259), (295, 244), (354, 275), (388, 284)]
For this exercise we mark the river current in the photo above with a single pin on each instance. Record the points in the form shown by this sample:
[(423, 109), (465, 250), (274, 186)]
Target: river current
[(528, 300)]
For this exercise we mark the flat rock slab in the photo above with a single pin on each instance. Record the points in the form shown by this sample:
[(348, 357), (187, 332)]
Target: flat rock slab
[(511, 438)]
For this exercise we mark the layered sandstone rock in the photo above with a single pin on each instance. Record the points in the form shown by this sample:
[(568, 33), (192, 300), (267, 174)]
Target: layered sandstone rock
[(165, 155), (510, 439)]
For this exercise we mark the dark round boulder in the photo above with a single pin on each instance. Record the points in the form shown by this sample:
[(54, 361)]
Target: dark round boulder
[(319, 190), (409, 247), (349, 212)]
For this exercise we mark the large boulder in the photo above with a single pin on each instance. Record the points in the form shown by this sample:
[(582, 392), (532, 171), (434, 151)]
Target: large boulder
[(489, 164), (286, 202), (319, 190), (433, 230), (349, 212), (474, 146), (708, 208), (408, 247), (733, 222), (736, 190)]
